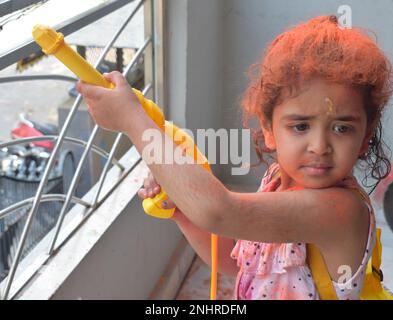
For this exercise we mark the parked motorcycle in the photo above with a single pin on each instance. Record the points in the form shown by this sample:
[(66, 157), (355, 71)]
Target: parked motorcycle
[(21, 169), (384, 197), (27, 162)]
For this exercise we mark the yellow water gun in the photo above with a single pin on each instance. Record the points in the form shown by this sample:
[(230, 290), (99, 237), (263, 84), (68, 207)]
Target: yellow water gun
[(52, 42)]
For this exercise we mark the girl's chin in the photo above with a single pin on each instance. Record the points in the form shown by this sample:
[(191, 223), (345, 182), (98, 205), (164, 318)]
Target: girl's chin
[(318, 184)]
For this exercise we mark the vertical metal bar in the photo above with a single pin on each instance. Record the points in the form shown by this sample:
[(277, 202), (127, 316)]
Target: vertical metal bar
[(78, 171), (111, 155), (81, 50), (119, 59), (159, 53)]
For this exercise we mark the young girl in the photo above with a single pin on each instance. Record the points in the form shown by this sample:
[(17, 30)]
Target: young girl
[(318, 95)]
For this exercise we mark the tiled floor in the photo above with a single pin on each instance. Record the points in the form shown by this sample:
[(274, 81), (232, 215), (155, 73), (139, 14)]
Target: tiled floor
[(197, 284)]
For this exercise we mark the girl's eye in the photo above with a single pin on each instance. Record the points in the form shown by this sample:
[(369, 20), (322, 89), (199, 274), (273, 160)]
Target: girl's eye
[(300, 127), (342, 129)]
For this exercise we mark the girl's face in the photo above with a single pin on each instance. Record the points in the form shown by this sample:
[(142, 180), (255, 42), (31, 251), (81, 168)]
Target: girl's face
[(318, 135)]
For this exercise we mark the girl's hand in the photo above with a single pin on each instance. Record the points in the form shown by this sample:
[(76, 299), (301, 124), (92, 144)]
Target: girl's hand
[(151, 188), (111, 109)]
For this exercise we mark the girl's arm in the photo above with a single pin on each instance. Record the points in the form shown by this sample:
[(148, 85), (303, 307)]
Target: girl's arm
[(311, 215), (195, 191), (199, 239), (326, 217)]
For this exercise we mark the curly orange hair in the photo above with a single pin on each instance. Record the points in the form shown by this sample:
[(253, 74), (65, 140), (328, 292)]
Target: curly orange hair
[(320, 47)]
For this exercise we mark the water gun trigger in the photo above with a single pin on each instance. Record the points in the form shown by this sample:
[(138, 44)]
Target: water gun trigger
[(110, 85), (152, 206)]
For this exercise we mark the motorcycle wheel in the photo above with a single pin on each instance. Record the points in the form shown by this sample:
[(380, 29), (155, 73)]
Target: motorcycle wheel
[(68, 168), (388, 206)]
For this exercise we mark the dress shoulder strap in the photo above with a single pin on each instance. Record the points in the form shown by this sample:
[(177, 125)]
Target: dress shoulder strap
[(320, 274), (317, 264)]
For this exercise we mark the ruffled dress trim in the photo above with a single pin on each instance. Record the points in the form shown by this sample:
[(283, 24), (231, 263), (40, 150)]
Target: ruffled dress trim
[(265, 258)]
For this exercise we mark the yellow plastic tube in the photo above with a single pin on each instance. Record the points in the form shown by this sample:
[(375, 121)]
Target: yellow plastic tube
[(52, 42)]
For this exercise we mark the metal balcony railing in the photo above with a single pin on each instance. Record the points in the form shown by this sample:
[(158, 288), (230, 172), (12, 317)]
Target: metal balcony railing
[(29, 211), (11, 6)]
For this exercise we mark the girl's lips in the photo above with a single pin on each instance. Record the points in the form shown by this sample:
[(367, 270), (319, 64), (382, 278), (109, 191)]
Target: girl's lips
[(316, 171)]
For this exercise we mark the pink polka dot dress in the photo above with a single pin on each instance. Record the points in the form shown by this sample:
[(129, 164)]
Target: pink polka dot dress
[(278, 271)]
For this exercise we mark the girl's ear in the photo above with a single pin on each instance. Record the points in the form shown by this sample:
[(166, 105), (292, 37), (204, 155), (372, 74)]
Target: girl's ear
[(269, 137), (365, 144), (369, 134)]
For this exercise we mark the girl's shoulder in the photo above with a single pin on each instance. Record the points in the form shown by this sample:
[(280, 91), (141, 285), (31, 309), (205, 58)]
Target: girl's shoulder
[(347, 197), (349, 185)]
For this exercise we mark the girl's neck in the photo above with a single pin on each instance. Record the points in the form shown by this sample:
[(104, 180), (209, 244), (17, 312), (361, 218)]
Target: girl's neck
[(286, 182), (282, 187)]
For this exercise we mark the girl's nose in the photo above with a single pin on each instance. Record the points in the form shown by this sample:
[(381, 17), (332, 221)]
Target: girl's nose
[(319, 145)]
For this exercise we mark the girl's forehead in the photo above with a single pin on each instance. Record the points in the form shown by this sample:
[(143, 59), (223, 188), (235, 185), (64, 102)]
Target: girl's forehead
[(324, 98), (326, 109), (325, 105)]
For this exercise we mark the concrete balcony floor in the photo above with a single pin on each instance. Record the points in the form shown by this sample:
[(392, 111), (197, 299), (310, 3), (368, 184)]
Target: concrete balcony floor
[(196, 284)]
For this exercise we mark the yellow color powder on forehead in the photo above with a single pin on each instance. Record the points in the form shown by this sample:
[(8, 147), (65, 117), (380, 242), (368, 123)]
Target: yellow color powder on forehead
[(329, 106)]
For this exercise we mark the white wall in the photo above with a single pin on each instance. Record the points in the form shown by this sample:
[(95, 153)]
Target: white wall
[(194, 64)]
